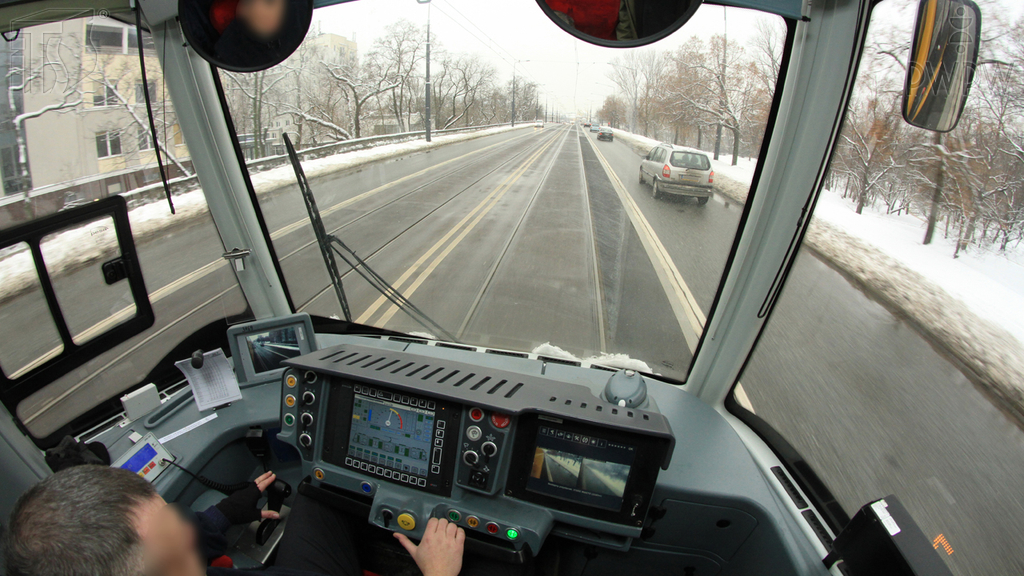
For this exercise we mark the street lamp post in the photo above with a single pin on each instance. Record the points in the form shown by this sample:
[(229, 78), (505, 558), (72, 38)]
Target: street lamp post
[(427, 82)]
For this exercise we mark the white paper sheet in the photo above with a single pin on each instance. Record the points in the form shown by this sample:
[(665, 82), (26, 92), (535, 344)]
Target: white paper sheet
[(214, 384)]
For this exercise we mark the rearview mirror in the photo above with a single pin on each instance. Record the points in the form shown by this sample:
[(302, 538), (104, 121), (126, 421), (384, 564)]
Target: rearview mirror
[(942, 62), (245, 35), (619, 23)]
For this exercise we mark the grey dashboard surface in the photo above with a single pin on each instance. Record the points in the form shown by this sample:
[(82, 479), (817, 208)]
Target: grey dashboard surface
[(458, 378), (711, 476)]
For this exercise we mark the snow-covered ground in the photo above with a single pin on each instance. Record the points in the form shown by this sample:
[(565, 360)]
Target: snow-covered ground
[(973, 305), (989, 283), (79, 246)]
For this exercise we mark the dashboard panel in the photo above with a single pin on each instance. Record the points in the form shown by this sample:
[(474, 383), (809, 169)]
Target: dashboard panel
[(508, 456)]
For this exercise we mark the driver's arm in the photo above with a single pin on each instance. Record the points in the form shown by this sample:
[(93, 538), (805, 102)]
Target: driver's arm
[(440, 551)]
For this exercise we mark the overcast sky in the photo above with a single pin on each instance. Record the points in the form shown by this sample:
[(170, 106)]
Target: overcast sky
[(572, 74)]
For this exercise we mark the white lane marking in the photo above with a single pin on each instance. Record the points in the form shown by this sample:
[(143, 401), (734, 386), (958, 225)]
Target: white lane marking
[(689, 315)]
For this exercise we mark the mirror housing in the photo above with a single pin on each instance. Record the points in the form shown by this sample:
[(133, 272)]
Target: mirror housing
[(943, 58), (619, 23), (245, 35)]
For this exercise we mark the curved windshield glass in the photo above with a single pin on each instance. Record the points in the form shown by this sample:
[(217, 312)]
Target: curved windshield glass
[(521, 224), (894, 360), (74, 129)]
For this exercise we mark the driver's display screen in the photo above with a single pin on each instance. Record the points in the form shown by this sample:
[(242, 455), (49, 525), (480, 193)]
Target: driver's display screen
[(580, 468), (391, 435)]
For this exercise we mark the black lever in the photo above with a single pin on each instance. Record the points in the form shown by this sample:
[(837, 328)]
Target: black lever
[(276, 494), (385, 514), (197, 359)]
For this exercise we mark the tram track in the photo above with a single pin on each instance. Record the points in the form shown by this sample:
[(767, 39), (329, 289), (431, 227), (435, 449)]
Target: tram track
[(531, 149)]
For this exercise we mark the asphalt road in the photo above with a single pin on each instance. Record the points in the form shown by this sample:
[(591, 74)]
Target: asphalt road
[(521, 238)]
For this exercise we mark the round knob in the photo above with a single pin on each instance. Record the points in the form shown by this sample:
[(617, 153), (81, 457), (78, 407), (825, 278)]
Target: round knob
[(306, 419), (470, 457), (308, 397), (306, 440), (489, 449)]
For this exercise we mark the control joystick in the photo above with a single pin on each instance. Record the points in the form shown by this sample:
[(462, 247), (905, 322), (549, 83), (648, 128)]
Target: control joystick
[(276, 494)]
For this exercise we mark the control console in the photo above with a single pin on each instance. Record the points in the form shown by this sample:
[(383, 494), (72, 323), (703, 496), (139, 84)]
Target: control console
[(508, 455)]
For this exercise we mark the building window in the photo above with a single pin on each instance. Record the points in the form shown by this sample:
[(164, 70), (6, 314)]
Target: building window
[(145, 138), (104, 38), (104, 95), (108, 144), (140, 96)]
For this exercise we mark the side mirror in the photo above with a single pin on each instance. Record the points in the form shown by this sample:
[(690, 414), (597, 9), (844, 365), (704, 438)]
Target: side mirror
[(245, 35), (942, 62)]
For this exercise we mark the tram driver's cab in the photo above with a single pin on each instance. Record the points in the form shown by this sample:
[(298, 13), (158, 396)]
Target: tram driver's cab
[(550, 464)]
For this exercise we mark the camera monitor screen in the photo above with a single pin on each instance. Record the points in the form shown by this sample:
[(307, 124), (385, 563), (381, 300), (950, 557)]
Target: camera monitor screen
[(580, 468), (260, 348), (268, 349)]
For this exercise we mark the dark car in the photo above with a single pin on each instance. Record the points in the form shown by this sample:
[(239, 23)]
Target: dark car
[(586, 124), (605, 134)]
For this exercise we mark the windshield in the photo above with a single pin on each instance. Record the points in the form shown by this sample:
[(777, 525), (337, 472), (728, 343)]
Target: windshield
[(74, 129), (514, 227), (893, 361)]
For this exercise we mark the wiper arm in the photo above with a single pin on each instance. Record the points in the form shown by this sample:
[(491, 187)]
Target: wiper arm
[(322, 237), (331, 245), (381, 285)]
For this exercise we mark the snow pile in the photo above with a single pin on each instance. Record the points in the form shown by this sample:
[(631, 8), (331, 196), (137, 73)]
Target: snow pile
[(284, 176), (78, 247), (622, 361), (972, 306)]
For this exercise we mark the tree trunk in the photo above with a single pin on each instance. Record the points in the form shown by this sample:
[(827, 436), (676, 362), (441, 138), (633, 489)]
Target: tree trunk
[(940, 182), (862, 194), (718, 140), (735, 146)]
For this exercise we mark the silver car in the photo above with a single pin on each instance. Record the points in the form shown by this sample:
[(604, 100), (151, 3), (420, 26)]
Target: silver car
[(678, 171)]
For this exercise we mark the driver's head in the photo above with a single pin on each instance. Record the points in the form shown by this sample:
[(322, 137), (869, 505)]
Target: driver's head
[(89, 520), (263, 18)]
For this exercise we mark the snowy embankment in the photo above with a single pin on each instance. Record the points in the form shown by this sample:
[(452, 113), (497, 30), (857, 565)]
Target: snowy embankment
[(78, 247), (972, 306)]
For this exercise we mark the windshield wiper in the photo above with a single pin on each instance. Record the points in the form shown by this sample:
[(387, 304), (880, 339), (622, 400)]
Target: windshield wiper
[(331, 245)]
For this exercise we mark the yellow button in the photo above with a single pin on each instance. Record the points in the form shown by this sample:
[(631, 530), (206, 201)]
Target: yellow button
[(291, 380), (406, 521), (473, 521), (289, 400)]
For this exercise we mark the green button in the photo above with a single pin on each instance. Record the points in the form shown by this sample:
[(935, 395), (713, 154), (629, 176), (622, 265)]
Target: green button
[(289, 419), (512, 533), (454, 515)]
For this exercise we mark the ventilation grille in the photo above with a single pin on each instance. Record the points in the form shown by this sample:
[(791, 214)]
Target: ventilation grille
[(794, 494), (433, 374), (499, 352), (418, 373), (818, 527)]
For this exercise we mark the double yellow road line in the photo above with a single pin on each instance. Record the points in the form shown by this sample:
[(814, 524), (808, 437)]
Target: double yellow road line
[(407, 283)]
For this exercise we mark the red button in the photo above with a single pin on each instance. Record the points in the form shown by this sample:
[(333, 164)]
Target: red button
[(500, 420), (492, 527), (476, 414)]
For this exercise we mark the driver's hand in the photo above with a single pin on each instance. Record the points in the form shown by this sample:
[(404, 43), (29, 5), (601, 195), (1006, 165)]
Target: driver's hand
[(240, 507), (440, 550)]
